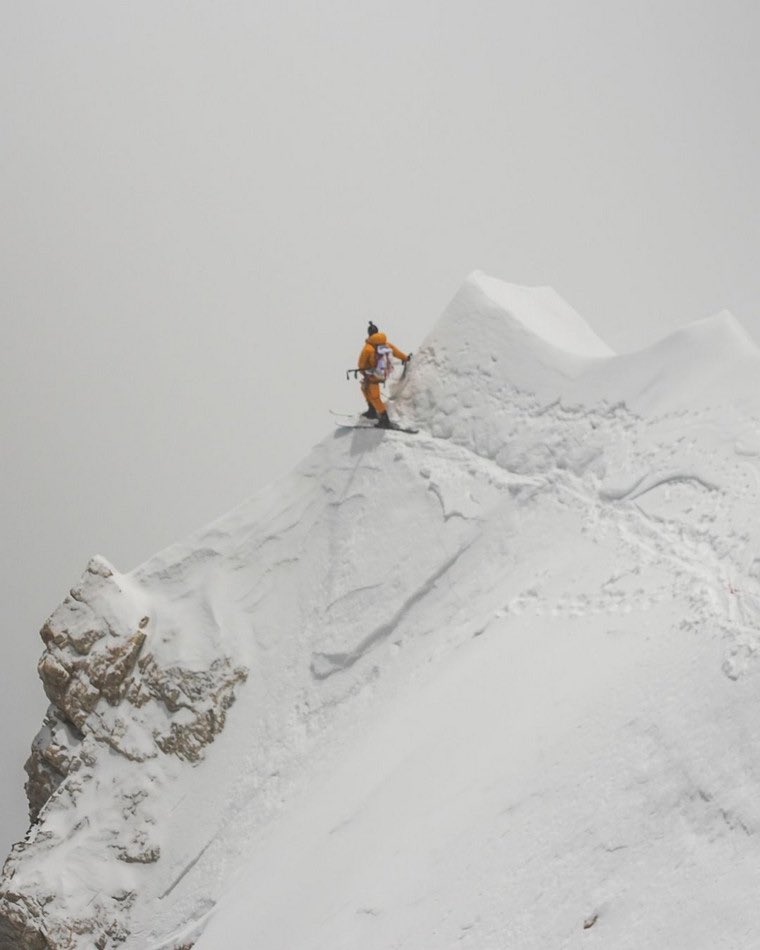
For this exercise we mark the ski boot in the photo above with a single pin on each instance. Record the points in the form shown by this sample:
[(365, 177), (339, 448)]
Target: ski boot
[(371, 413), (385, 423)]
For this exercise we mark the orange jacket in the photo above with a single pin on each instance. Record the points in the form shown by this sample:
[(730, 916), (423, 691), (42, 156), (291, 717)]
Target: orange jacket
[(368, 355)]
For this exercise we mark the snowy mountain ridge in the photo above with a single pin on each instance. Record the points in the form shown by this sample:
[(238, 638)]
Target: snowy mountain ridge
[(493, 685)]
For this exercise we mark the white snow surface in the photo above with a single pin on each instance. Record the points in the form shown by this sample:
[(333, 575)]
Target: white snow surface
[(503, 688)]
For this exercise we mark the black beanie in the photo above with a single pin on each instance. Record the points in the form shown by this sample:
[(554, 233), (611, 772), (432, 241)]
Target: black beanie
[(371, 328)]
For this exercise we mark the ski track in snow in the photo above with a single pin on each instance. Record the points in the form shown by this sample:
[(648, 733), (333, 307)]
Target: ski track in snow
[(724, 591)]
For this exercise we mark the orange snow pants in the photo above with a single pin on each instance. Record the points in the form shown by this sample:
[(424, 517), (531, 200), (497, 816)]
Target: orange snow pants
[(371, 392)]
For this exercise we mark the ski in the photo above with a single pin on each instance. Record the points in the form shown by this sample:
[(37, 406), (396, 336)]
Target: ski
[(365, 423), (377, 428), (344, 415)]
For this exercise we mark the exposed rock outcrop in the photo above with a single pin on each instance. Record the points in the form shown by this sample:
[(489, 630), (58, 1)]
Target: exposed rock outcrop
[(110, 693)]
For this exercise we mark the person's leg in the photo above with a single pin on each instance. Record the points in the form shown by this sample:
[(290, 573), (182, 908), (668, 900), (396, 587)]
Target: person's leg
[(371, 412), (372, 395)]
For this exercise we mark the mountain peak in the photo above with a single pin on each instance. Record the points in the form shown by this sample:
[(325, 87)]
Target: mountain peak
[(541, 312), (354, 699)]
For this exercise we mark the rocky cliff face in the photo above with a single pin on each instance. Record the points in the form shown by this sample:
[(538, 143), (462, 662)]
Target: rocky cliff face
[(110, 697)]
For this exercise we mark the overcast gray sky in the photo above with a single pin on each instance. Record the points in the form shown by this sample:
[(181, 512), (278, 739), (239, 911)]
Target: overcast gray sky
[(204, 202)]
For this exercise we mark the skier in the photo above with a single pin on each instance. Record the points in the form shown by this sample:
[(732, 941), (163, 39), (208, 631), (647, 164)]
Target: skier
[(375, 366)]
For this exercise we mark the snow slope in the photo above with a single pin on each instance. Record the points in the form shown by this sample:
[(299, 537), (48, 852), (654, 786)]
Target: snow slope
[(501, 676)]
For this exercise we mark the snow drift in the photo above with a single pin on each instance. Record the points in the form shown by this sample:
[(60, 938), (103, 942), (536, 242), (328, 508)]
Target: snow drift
[(492, 685)]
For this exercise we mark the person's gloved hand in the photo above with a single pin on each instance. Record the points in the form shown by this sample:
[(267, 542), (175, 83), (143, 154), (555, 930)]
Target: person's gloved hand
[(408, 358)]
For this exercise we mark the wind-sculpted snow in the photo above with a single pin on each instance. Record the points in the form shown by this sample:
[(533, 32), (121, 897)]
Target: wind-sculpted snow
[(538, 311), (495, 684)]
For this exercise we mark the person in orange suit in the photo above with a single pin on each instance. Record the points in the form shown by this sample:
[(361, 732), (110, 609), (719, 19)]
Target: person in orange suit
[(375, 364)]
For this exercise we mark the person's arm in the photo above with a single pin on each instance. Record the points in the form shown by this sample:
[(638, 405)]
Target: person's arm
[(397, 353), (365, 358)]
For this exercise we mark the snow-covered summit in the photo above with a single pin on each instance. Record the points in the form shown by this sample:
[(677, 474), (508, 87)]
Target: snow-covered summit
[(539, 311), (497, 342), (492, 685)]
